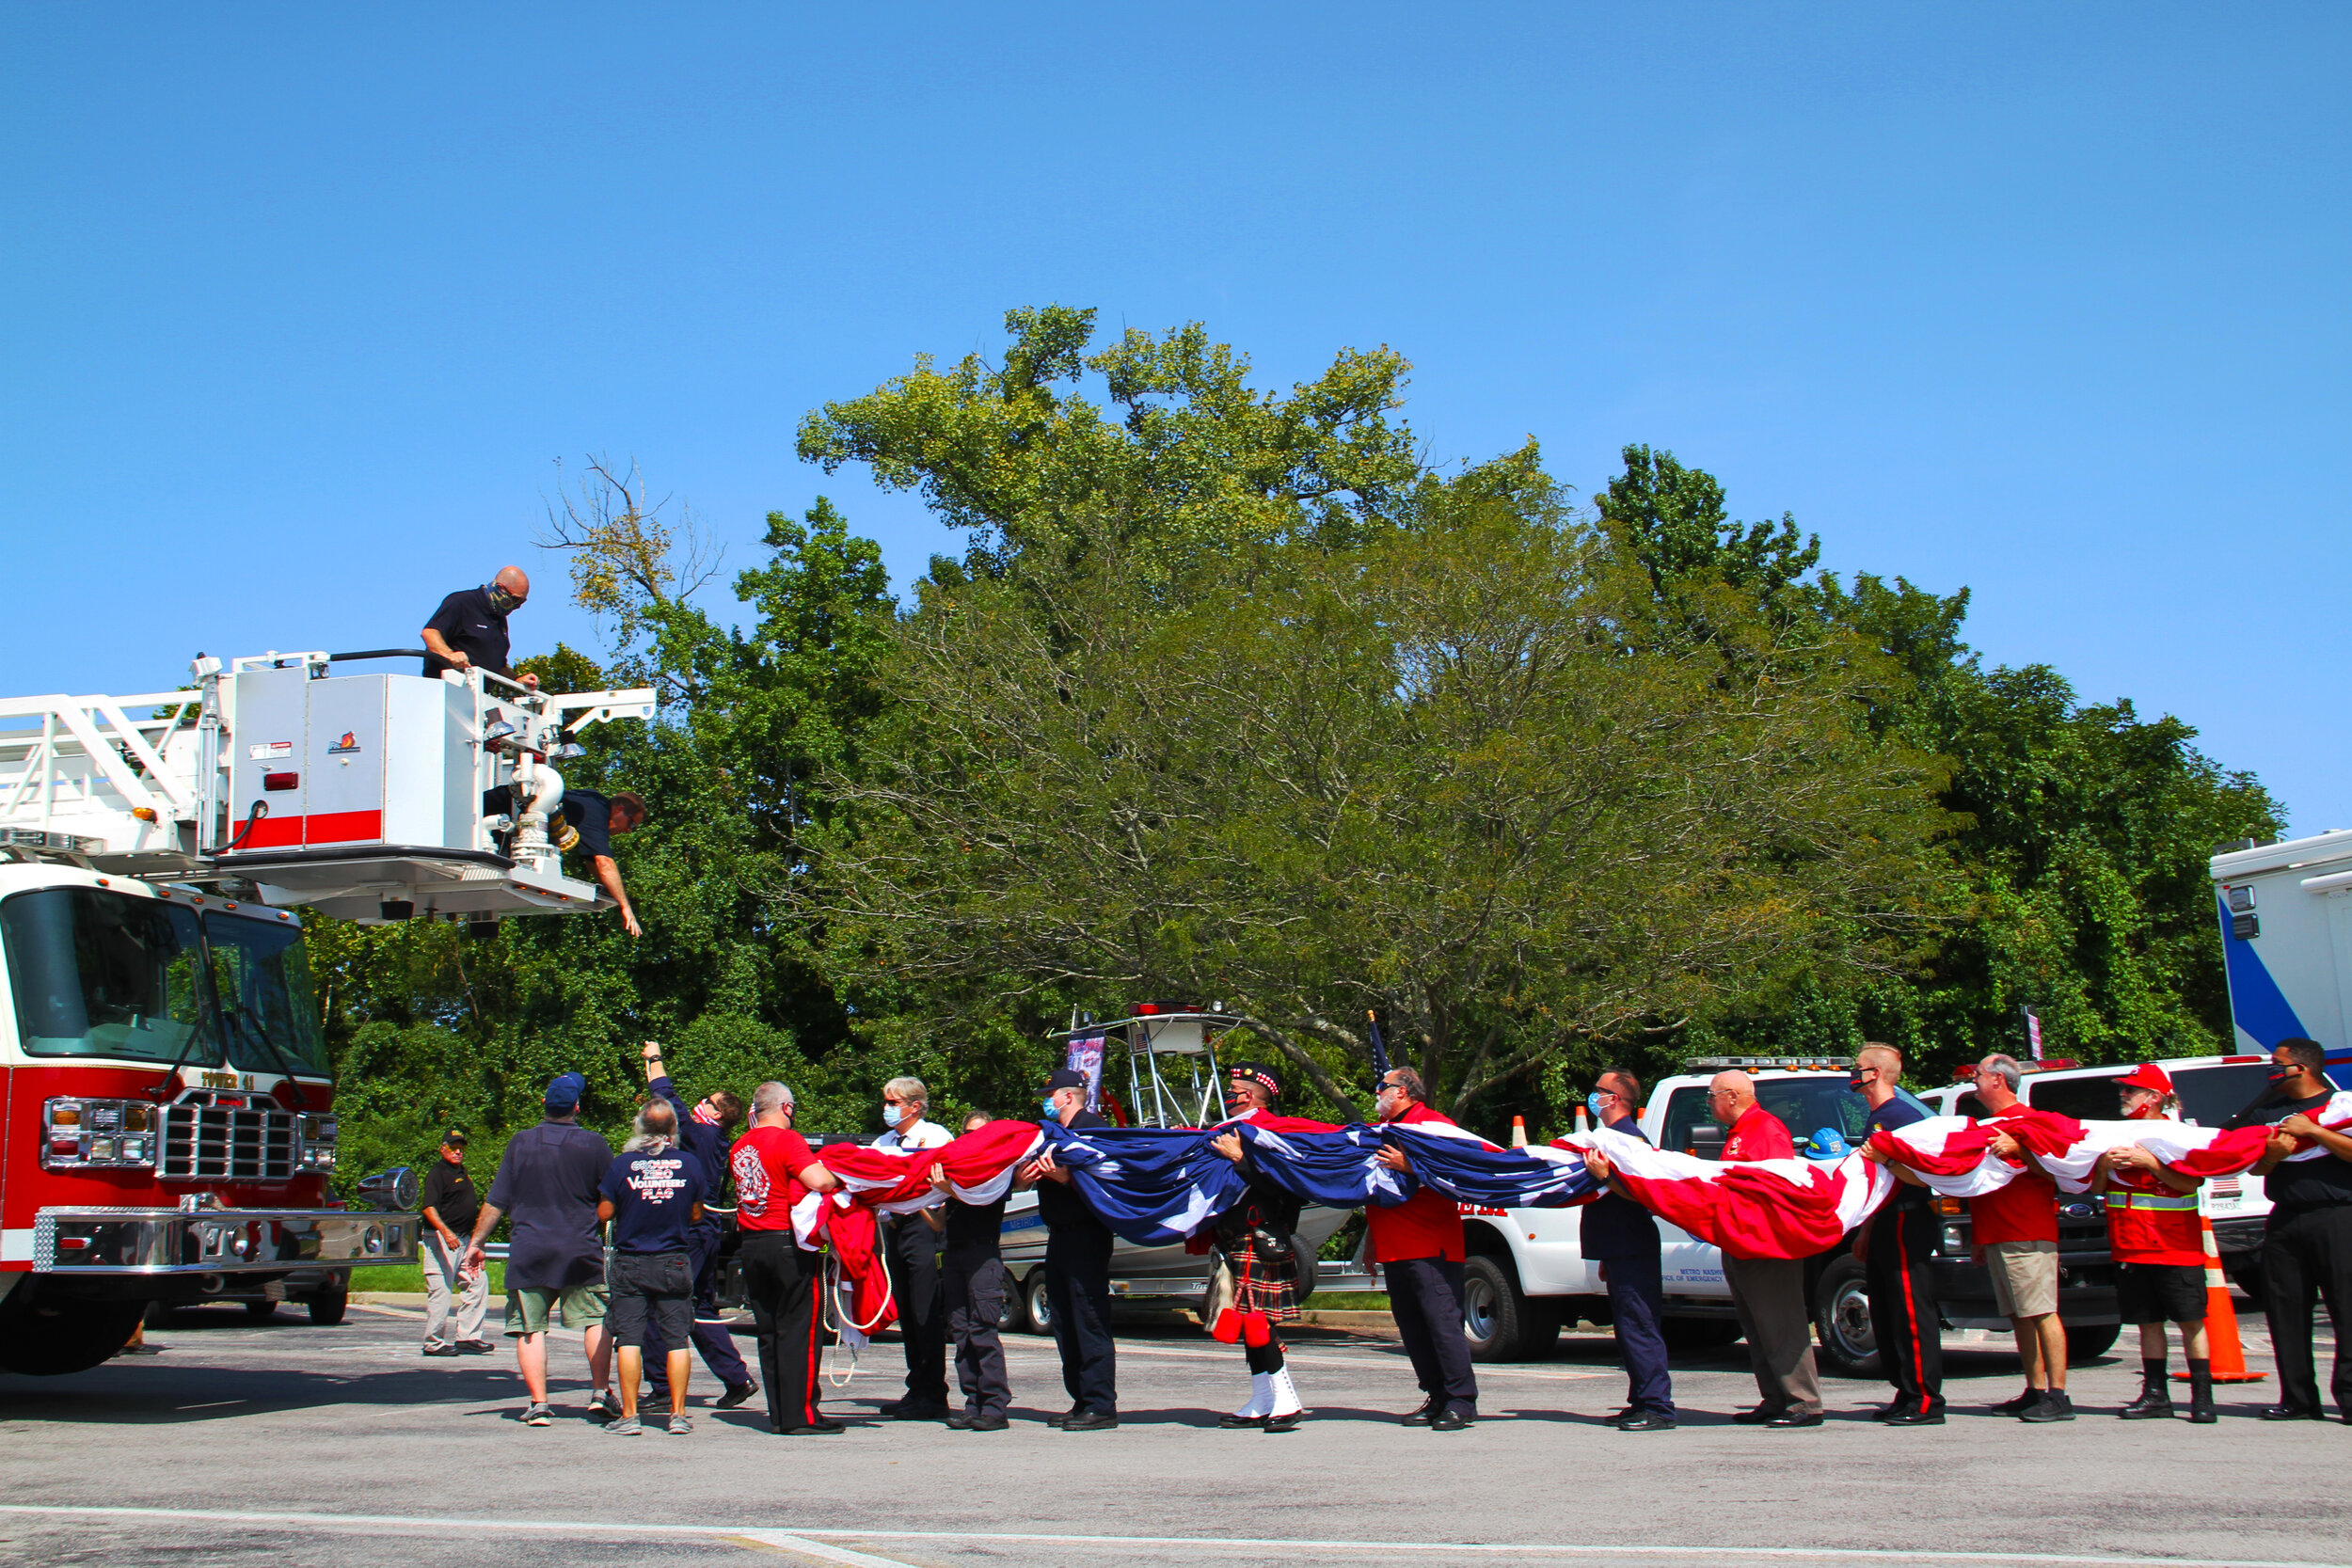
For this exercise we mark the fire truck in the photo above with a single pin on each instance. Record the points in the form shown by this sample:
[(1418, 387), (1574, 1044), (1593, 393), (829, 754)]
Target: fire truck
[(167, 1124)]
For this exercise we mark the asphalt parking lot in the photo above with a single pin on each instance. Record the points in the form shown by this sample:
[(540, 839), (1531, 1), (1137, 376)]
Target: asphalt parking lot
[(245, 1444)]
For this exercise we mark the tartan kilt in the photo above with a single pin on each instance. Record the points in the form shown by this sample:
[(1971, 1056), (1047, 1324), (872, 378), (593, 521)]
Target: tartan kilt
[(1265, 1281)]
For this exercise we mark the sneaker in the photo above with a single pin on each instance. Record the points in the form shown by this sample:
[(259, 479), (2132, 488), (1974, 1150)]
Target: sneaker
[(734, 1396), (989, 1422), (2055, 1406), (624, 1426), (2020, 1404), (606, 1406), (442, 1350), (680, 1425), (538, 1416), (476, 1347)]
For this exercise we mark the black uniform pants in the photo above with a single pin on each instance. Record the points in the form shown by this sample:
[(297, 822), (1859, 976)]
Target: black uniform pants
[(784, 1284), (2307, 1260), (974, 1288), (1078, 1298), (1904, 1316), (711, 1336), (1425, 1298), (913, 1254), (1637, 1307)]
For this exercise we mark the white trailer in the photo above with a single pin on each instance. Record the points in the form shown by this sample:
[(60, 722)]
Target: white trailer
[(2285, 910)]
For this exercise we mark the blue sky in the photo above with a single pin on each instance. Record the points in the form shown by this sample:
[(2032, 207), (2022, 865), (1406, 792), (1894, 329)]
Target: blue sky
[(299, 304)]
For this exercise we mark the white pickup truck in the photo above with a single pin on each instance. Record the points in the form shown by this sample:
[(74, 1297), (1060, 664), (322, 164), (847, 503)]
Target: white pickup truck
[(1528, 1275)]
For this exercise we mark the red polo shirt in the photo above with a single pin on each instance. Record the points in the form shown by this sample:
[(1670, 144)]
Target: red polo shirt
[(1428, 1224), (1758, 1134), (2025, 1210)]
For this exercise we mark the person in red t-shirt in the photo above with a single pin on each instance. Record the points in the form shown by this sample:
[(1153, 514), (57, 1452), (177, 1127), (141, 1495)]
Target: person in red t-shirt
[(2016, 1240), (1420, 1248), (1767, 1292), (774, 1168), (2158, 1244)]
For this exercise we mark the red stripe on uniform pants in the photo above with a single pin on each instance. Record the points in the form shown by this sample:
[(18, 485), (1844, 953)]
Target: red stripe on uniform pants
[(815, 1327), (1911, 1314)]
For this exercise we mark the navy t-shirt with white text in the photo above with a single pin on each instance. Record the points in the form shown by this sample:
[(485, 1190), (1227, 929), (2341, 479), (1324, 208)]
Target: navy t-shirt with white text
[(653, 1193)]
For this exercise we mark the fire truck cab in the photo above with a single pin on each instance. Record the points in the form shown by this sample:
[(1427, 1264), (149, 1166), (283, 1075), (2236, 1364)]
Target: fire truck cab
[(167, 1128)]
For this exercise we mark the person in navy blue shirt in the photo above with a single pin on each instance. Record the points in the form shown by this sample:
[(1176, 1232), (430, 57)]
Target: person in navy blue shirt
[(1895, 1246), (652, 1194), (707, 1130), (1620, 1235)]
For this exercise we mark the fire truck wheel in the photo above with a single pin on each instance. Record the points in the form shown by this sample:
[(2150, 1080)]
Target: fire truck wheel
[(65, 1336), (2088, 1344), (327, 1306)]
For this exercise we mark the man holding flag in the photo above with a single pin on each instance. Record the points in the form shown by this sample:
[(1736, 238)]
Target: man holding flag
[(1257, 1239), (1421, 1248)]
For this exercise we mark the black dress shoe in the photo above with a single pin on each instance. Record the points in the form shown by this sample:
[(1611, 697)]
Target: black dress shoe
[(2288, 1413), (991, 1422), (734, 1396), (1932, 1416), (1763, 1414), (960, 1421), (1645, 1420), (815, 1429), (1230, 1422), (1091, 1420), (1798, 1419), (1285, 1423), (1422, 1418), (1063, 1420), (1452, 1420), (1893, 1408), (908, 1410)]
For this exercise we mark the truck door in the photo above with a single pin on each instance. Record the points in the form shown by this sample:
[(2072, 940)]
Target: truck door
[(1688, 1266)]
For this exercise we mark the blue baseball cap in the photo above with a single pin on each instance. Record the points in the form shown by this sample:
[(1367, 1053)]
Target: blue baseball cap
[(564, 1093), (1826, 1144)]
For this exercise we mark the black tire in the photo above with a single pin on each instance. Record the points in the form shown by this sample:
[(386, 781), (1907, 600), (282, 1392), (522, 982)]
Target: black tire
[(2088, 1344), (1842, 1320), (1037, 1308), (158, 1314), (1695, 1335), (1011, 1315), (68, 1337), (328, 1306), (2245, 1271), (1494, 1311), (260, 1312)]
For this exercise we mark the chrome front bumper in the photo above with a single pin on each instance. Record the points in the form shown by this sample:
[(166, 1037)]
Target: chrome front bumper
[(216, 1240)]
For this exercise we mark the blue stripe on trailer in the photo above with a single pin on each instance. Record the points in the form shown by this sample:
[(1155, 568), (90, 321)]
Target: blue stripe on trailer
[(2256, 1003)]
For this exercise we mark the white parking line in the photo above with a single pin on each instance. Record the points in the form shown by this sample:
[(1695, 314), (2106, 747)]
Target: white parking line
[(803, 1540)]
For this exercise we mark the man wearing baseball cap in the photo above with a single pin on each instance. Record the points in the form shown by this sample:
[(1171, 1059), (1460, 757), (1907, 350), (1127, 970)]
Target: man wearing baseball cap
[(2159, 1244), (1077, 1268), (451, 1206), (547, 1181)]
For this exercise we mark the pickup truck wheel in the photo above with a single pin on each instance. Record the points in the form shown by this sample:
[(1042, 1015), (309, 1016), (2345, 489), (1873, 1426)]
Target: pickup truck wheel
[(328, 1306), (70, 1336), (1036, 1305), (2088, 1344), (1494, 1312), (1842, 1320), (260, 1312)]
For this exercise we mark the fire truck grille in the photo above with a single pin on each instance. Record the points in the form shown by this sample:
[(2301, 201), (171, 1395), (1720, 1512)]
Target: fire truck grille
[(213, 1143)]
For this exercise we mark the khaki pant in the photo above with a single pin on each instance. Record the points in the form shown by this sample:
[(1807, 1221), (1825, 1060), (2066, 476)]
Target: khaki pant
[(1769, 1295), (441, 1280)]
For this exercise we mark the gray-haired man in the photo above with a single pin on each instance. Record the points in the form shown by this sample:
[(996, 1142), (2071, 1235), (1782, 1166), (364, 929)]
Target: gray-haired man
[(911, 1246)]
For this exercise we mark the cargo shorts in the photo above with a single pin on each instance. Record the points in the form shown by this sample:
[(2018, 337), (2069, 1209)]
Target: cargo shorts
[(528, 1309)]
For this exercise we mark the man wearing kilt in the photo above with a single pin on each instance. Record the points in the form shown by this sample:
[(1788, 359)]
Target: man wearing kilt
[(1257, 1239)]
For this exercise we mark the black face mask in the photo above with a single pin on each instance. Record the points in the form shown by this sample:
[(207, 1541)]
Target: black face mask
[(501, 602), (1857, 1083)]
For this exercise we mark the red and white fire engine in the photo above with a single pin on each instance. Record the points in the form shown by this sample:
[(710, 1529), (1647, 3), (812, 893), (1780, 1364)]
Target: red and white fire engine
[(167, 1117)]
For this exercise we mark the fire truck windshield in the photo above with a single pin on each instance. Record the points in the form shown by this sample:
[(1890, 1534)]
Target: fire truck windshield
[(262, 977), (103, 975)]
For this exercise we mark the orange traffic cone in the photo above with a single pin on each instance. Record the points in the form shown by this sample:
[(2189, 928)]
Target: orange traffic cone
[(2229, 1357), (1519, 1132)]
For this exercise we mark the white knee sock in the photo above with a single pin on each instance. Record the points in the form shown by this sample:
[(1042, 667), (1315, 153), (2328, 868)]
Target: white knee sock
[(1285, 1393), (1261, 1396)]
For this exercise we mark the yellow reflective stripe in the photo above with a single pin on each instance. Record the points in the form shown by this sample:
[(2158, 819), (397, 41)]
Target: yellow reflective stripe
[(2151, 1200)]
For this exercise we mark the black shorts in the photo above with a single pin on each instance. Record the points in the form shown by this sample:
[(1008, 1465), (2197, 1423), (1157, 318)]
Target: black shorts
[(2160, 1293), (659, 1285)]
